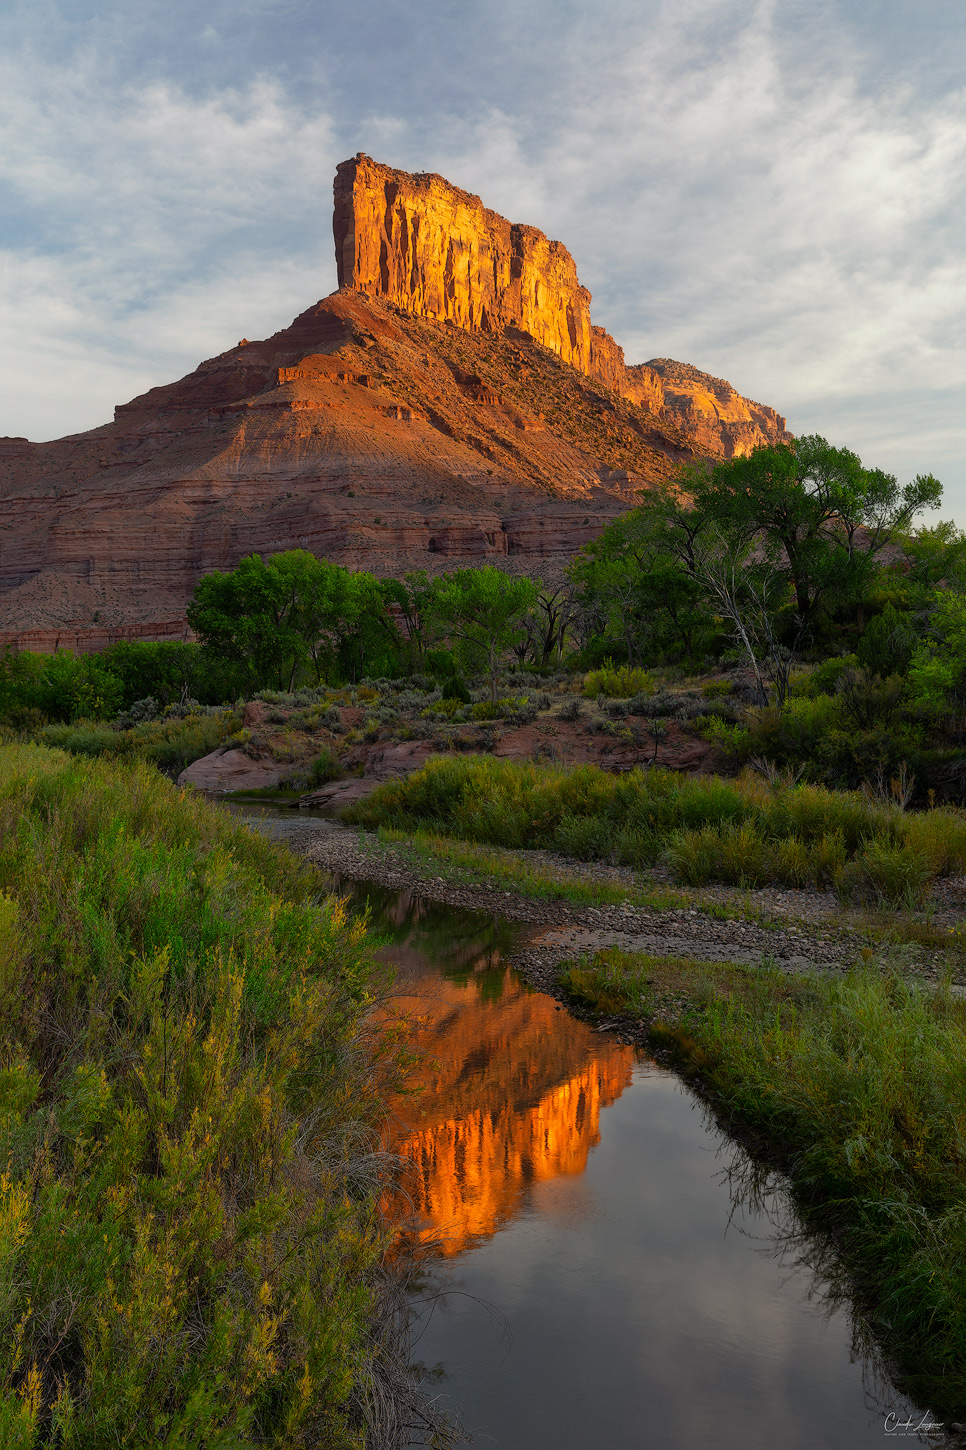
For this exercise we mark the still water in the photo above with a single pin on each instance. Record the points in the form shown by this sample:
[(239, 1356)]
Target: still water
[(600, 1280), (601, 1273)]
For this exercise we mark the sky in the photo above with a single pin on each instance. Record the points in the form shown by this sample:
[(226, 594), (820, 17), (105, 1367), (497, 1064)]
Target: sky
[(771, 190)]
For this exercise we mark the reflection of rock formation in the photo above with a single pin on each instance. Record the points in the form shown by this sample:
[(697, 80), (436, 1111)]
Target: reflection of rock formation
[(469, 1174), (512, 1096)]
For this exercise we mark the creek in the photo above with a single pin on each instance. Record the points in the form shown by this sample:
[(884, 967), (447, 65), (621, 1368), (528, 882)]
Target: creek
[(604, 1266)]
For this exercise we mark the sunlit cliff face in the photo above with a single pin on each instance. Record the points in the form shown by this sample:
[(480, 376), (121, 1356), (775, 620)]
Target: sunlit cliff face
[(512, 1094)]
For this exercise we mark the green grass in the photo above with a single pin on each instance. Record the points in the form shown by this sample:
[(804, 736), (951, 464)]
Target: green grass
[(463, 863), (744, 833), (858, 1083), (170, 744), (189, 1240)]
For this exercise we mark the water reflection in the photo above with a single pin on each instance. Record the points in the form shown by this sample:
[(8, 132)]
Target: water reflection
[(580, 1191), (511, 1088)]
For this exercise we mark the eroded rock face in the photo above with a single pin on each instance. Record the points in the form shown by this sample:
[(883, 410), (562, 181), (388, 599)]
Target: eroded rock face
[(451, 404), (439, 252), (722, 423)]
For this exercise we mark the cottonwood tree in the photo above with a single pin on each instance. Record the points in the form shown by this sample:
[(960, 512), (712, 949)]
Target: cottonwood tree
[(637, 579), (483, 609), (277, 616), (816, 512), (749, 595)]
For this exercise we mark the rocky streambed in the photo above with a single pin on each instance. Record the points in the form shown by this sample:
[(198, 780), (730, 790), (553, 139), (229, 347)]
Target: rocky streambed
[(795, 930)]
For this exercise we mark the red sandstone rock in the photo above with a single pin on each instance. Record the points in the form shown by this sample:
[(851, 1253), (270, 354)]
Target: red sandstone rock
[(226, 770), (453, 405)]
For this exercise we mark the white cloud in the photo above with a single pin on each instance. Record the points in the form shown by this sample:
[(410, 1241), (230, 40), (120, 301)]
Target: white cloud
[(163, 228)]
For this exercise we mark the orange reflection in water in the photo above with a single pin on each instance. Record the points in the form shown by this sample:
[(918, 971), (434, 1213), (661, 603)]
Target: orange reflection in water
[(512, 1091)]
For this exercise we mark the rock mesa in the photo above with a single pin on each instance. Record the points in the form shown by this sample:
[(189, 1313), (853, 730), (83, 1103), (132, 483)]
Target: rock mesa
[(451, 404)]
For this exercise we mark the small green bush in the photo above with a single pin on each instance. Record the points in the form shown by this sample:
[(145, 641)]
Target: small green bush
[(324, 768), (618, 682), (886, 875)]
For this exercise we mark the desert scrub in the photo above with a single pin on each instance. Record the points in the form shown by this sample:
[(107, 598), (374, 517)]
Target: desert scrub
[(170, 743), (746, 832), (618, 682), (188, 1234), (857, 1085)]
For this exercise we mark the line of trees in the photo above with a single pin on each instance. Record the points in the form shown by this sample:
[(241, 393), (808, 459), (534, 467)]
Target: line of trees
[(792, 552)]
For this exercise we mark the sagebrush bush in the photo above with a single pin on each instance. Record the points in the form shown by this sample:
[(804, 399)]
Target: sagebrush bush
[(187, 1247), (745, 832)]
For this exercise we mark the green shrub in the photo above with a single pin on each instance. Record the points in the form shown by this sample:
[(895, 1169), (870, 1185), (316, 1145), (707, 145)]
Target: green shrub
[(744, 832), (887, 875), (456, 688), (618, 682), (887, 643), (171, 743), (324, 767), (824, 678), (188, 1250)]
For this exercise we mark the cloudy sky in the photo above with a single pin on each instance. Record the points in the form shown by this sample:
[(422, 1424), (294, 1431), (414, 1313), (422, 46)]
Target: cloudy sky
[(772, 190)]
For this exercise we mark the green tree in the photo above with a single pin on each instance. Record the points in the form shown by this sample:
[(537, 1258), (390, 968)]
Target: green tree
[(937, 674), (277, 616), (816, 511), (637, 581), (62, 686), (483, 609)]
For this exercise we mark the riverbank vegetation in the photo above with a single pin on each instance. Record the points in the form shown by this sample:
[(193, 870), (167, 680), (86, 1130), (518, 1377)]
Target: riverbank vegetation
[(741, 832), (856, 1086), (190, 1247)]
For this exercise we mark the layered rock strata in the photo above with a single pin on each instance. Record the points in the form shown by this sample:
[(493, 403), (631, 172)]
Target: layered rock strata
[(415, 418), (437, 251)]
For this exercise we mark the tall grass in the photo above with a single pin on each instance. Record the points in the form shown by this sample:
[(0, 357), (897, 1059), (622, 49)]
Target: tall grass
[(188, 1241), (171, 743), (745, 832), (860, 1084), (618, 682)]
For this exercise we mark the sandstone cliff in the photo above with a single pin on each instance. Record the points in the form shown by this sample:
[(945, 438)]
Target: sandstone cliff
[(437, 251), (451, 404)]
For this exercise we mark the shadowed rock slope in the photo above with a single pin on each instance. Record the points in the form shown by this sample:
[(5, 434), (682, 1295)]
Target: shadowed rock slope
[(386, 428)]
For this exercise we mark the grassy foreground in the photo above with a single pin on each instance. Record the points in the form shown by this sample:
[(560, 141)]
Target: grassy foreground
[(746, 832), (860, 1084), (189, 1242)]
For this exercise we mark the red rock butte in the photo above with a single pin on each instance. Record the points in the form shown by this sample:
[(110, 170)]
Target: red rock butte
[(450, 404)]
